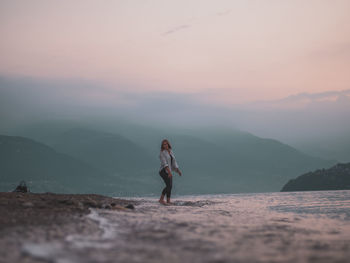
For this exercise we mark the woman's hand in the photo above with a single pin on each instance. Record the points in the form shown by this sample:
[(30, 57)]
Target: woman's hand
[(178, 171), (169, 172)]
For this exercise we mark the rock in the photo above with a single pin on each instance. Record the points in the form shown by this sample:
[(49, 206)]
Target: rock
[(118, 207), (21, 188), (130, 206), (93, 204)]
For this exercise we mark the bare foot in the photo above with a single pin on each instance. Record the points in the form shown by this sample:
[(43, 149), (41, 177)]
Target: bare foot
[(162, 202), (169, 203)]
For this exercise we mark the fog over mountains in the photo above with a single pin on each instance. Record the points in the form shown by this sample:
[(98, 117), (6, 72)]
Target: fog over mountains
[(314, 123), (255, 147)]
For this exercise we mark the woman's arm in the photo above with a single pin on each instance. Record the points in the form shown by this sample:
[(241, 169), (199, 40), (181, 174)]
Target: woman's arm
[(175, 165), (178, 171), (165, 164), (169, 172)]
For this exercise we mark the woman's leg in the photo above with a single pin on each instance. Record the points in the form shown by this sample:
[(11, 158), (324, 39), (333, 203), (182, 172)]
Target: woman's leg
[(167, 190), (161, 199)]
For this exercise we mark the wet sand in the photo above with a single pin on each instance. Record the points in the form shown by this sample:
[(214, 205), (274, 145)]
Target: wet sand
[(43, 218), (275, 227)]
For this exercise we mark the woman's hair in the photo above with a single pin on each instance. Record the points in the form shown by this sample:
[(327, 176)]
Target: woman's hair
[(161, 146)]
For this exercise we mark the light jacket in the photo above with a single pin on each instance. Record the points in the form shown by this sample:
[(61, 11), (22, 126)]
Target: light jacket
[(165, 160)]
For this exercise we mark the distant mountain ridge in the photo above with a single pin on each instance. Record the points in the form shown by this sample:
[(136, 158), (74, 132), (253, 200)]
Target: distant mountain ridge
[(334, 178), (239, 162), (44, 169), (109, 152), (213, 160)]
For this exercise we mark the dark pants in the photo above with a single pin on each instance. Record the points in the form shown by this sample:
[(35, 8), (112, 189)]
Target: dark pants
[(168, 182)]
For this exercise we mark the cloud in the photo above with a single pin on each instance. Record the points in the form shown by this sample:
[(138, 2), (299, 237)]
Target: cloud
[(30, 100), (315, 96), (175, 29), (301, 100), (186, 26)]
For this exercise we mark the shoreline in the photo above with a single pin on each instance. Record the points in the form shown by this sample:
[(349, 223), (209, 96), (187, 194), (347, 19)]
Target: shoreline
[(280, 227), (35, 209), (29, 221)]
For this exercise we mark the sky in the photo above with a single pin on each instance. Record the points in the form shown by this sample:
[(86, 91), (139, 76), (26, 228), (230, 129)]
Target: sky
[(216, 52)]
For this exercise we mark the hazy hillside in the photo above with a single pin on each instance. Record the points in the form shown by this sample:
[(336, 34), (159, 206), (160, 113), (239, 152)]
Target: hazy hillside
[(109, 152), (218, 160), (314, 123), (240, 162), (334, 178), (226, 160), (44, 169), (336, 147), (265, 154)]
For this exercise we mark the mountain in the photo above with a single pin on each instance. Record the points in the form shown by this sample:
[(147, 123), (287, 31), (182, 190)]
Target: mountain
[(315, 123), (132, 165), (329, 147), (109, 152), (44, 169), (213, 160), (234, 161), (334, 178)]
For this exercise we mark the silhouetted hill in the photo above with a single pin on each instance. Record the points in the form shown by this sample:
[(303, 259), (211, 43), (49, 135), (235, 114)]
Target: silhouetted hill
[(261, 153), (109, 152), (44, 169), (133, 167), (334, 178), (213, 160), (238, 162)]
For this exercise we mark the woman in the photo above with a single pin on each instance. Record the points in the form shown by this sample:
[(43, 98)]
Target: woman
[(167, 164)]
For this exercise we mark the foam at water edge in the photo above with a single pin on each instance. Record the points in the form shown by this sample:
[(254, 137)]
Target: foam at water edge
[(52, 252), (108, 233), (57, 252), (109, 229)]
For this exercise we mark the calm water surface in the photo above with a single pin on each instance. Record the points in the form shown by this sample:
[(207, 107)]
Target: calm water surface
[(268, 227)]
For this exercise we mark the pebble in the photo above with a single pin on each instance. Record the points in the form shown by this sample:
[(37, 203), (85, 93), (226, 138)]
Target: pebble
[(130, 206)]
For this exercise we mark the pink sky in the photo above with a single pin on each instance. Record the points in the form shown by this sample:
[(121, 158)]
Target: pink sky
[(224, 51)]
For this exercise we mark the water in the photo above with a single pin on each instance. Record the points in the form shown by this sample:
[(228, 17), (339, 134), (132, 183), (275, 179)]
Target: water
[(269, 227)]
